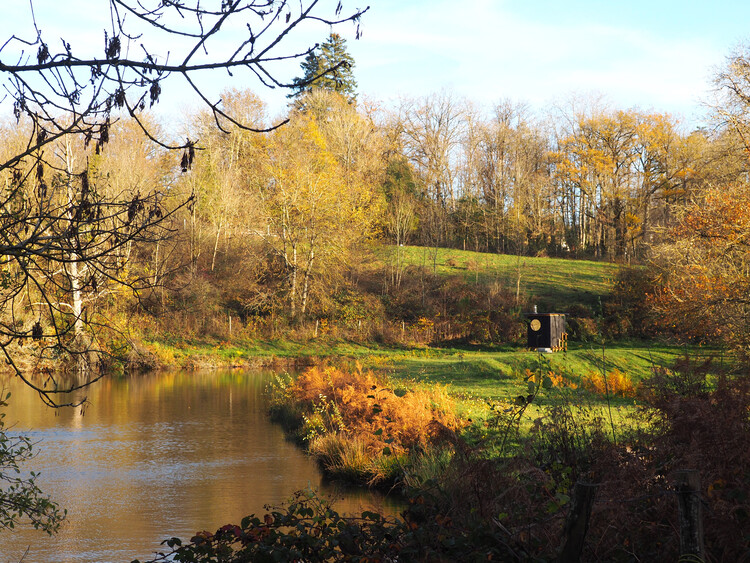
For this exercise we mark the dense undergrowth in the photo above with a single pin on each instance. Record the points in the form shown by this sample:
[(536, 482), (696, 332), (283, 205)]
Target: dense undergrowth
[(456, 297), (511, 507)]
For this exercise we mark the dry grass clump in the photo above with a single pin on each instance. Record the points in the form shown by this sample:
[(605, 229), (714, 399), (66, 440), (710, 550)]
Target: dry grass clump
[(452, 263), (617, 383), (361, 429), (347, 458), (380, 416)]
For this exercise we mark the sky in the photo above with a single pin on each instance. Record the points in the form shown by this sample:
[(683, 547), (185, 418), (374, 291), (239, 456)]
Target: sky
[(655, 55)]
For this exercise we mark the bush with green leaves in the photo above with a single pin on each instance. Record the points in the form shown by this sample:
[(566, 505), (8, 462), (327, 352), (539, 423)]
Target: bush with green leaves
[(21, 500)]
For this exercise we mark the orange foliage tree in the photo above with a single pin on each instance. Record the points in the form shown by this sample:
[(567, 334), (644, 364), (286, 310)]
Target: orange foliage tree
[(705, 269)]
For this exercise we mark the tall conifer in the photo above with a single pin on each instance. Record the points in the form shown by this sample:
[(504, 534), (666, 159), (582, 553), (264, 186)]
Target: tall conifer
[(328, 67)]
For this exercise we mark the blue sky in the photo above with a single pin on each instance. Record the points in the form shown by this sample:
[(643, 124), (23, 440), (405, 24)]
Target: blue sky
[(657, 55)]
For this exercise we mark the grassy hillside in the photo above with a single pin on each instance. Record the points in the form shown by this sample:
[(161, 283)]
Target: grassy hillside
[(553, 283), (473, 372)]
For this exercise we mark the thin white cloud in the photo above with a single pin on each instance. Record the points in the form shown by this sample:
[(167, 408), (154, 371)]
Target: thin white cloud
[(487, 52)]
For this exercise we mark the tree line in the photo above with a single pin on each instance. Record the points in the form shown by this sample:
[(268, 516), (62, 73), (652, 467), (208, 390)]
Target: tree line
[(291, 210), (274, 224), (589, 182)]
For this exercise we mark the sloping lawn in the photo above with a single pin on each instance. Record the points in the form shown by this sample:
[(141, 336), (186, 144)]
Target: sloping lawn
[(555, 282)]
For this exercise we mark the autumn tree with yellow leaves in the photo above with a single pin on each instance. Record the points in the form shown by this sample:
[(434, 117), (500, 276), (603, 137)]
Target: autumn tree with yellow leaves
[(223, 183), (316, 211), (617, 175)]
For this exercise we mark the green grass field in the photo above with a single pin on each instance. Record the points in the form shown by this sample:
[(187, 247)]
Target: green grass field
[(555, 282), (496, 374)]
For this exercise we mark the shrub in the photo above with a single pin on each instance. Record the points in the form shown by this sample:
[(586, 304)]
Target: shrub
[(629, 311), (581, 329), (371, 409), (617, 383), (458, 310), (309, 529), (580, 324), (348, 307), (451, 263), (357, 426), (140, 359)]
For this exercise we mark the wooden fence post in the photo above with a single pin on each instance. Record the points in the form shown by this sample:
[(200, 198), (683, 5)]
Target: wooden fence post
[(689, 509), (577, 523)]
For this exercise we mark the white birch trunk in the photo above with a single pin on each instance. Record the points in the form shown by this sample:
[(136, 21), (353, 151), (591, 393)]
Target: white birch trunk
[(75, 267)]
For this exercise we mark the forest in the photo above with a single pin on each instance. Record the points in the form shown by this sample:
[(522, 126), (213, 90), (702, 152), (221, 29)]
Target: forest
[(403, 234), (312, 222)]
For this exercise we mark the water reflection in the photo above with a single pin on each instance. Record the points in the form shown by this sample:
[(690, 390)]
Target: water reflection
[(156, 456)]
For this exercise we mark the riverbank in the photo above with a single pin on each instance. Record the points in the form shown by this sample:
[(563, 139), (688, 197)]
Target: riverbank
[(490, 373), (482, 383), (485, 385), (513, 476), (476, 376), (521, 430), (204, 353)]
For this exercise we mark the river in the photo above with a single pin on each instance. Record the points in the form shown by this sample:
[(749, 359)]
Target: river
[(155, 456)]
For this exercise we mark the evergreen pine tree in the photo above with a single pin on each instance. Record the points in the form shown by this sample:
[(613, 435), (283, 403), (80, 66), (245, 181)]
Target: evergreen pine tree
[(329, 67)]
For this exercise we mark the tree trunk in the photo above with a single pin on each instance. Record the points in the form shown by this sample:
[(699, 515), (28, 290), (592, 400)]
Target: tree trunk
[(73, 272), (305, 286), (293, 291), (216, 245)]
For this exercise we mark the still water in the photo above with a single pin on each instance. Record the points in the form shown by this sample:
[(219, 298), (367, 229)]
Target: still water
[(156, 456)]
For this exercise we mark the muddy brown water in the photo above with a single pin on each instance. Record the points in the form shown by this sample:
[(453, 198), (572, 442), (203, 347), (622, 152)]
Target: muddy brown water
[(155, 456)]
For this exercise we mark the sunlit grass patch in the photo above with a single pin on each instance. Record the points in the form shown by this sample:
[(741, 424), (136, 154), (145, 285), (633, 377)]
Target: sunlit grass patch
[(557, 281)]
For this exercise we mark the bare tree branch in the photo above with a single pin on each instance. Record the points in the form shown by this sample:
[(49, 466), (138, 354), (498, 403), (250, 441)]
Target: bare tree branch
[(65, 235)]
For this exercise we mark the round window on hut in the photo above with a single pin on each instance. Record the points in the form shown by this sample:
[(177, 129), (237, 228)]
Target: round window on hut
[(536, 325)]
